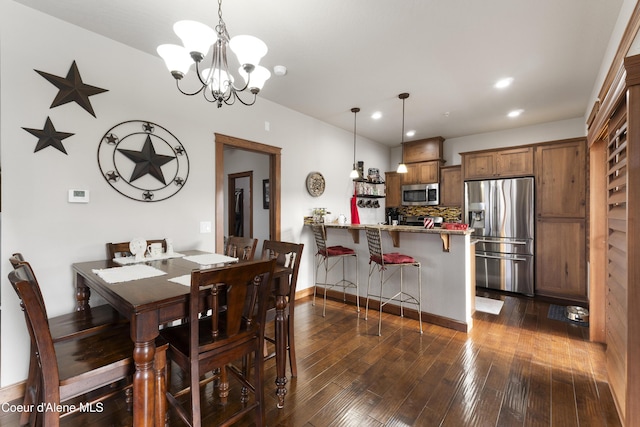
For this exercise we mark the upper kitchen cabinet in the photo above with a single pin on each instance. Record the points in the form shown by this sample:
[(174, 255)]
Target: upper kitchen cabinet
[(498, 163), (451, 186), (422, 173), (423, 150), (392, 190), (561, 170)]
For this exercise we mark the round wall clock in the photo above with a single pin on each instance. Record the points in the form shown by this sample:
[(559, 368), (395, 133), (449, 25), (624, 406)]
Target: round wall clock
[(315, 184), (143, 161)]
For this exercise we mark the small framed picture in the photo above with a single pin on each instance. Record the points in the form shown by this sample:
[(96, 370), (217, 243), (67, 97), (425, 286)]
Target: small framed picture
[(265, 194)]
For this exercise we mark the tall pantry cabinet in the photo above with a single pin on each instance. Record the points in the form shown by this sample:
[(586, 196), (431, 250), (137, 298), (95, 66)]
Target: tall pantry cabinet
[(561, 201)]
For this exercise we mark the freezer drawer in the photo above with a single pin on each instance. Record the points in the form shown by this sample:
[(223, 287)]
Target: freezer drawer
[(504, 245), (507, 272)]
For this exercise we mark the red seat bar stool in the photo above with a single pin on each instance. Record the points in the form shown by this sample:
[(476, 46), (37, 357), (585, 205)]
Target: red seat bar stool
[(380, 261), (329, 257)]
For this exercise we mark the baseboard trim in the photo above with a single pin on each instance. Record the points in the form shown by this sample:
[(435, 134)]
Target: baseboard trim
[(393, 309), (12, 392)]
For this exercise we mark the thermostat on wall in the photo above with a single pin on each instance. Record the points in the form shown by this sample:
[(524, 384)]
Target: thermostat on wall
[(78, 196)]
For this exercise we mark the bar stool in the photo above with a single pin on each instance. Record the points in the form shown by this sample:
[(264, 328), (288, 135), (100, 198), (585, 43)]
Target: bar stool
[(381, 261), (324, 256)]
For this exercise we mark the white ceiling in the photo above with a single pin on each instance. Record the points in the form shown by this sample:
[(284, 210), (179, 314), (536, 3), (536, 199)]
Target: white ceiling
[(362, 53)]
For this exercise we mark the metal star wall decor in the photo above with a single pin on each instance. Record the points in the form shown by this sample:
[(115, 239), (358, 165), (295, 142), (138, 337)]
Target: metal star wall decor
[(143, 161), (49, 136), (72, 89), (147, 161)]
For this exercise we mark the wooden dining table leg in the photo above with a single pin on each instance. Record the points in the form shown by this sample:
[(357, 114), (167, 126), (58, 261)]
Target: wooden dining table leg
[(144, 330), (281, 348), (83, 293)]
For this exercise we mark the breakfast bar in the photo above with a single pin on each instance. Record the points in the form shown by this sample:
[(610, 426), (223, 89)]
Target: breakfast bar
[(447, 259)]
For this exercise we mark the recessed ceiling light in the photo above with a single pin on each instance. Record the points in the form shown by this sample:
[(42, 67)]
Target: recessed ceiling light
[(410, 133), (377, 115), (515, 113), (502, 83)]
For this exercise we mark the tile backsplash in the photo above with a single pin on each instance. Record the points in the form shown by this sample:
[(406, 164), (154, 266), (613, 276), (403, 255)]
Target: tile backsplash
[(449, 214)]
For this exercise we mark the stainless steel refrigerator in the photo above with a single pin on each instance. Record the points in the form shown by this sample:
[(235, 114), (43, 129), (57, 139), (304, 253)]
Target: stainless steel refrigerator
[(501, 212)]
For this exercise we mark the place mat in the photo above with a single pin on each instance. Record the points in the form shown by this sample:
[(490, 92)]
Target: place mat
[(488, 305), (557, 312), (128, 273), (182, 280), (126, 260), (211, 259)]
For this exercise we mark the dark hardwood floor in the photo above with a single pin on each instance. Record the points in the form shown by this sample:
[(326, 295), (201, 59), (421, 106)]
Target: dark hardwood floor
[(518, 368)]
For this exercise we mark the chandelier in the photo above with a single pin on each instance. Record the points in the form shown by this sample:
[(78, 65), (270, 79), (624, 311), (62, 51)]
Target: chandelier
[(216, 83)]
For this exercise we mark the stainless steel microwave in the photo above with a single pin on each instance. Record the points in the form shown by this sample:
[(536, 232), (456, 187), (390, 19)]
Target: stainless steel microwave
[(421, 194)]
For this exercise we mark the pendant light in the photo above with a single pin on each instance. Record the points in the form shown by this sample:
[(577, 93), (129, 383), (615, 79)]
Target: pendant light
[(354, 173), (402, 168)]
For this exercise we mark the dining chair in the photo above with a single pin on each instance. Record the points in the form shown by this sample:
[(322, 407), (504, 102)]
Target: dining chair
[(380, 262), (287, 256), (230, 334), (116, 250), (243, 248), (68, 326), (330, 257), (72, 367)]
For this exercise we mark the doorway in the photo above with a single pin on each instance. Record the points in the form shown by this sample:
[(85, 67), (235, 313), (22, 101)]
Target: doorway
[(274, 154), (240, 204)]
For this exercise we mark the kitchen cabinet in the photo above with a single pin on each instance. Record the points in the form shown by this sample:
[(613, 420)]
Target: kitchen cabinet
[(422, 173), (561, 179), (498, 163), (451, 186), (561, 259), (561, 187), (423, 150), (393, 195)]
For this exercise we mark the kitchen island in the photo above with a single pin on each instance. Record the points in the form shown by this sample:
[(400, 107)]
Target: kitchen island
[(448, 271)]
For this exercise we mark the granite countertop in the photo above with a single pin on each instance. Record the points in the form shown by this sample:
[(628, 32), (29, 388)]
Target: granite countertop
[(400, 228)]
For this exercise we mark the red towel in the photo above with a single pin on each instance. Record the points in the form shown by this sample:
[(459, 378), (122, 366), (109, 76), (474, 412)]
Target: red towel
[(355, 218)]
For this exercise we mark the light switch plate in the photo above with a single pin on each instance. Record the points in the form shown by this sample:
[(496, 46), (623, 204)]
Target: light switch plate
[(205, 227)]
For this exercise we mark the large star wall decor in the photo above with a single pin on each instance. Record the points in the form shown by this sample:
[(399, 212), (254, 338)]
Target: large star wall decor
[(72, 89), (143, 161), (49, 137), (147, 161)]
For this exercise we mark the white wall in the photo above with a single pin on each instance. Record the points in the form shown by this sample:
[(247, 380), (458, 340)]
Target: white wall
[(38, 221)]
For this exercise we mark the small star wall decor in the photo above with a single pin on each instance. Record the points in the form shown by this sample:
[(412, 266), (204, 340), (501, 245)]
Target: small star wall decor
[(72, 89), (49, 136)]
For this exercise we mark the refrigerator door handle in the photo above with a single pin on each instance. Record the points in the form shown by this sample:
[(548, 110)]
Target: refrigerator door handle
[(501, 257), (510, 242)]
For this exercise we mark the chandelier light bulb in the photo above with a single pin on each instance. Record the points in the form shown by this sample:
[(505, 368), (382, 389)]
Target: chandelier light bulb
[(248, 49), (196, 37), (256, 79), (176, 58)]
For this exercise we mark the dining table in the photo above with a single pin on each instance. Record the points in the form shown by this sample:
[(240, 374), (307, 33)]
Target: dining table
[(154, 292)]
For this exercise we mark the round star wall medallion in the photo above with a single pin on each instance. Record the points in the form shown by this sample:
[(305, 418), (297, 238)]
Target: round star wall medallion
[(143, 161)]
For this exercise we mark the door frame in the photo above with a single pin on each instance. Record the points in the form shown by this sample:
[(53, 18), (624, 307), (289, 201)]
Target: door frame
[(275, 161)]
